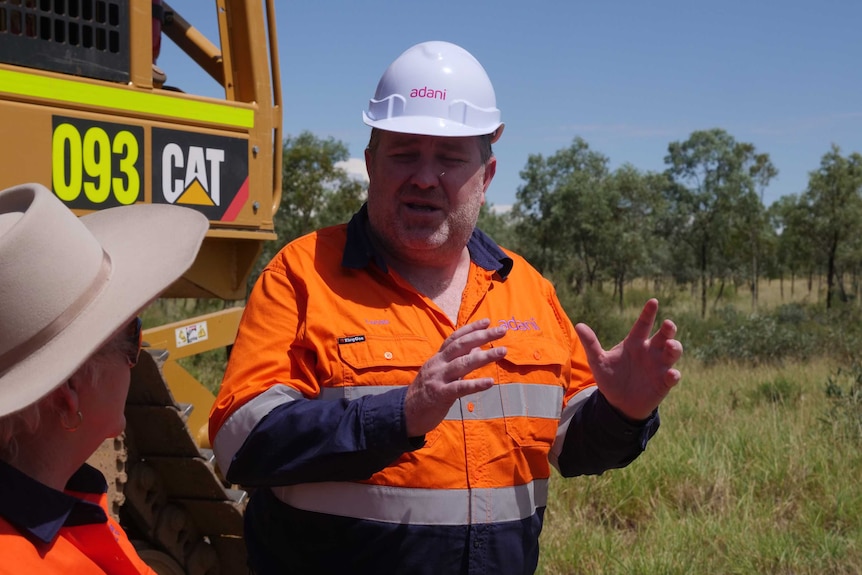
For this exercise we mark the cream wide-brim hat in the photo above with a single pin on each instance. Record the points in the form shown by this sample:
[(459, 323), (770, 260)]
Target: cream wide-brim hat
[(67, 284)]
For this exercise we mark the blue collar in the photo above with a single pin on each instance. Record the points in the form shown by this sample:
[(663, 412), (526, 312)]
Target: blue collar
[(359, 250), (39, 512)]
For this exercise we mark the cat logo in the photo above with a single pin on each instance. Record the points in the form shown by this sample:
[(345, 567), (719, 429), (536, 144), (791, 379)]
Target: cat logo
[(200, 171)]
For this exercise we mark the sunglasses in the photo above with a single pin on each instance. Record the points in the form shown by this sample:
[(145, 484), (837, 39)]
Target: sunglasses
[(135, 336)]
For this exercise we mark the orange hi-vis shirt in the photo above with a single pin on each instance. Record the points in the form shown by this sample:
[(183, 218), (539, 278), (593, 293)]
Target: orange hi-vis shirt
[(47, 532), (312, 407)]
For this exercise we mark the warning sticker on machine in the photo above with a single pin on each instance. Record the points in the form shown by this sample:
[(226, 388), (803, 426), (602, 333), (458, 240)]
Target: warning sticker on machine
[(201, 171), (189, 334)]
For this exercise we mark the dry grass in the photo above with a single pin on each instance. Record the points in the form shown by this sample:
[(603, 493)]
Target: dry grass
[(746, 475)]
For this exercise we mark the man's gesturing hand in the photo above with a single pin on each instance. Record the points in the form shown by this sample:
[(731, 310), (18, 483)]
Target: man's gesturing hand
[(439, 382), (637, 373)]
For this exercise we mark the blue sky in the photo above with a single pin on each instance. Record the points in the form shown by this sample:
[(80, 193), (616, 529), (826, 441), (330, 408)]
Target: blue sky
[(628, 76)]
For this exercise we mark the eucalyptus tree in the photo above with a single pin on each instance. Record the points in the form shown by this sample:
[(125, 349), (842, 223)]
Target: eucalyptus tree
[(559, 216), (316, 191), (715, 199), (791, 221), (498, 225), (634, 246), (761, 234), (834, 203)]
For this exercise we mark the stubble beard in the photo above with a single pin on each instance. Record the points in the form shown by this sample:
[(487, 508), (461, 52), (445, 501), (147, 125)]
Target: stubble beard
[(422, 245)]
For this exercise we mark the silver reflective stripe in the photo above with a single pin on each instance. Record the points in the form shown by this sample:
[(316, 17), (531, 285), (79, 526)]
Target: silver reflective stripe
[(502, 400), (235, 430), (414, 506), (571, 408), (510, 400)]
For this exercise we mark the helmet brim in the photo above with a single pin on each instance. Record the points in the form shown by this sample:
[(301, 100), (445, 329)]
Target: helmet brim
[(428, 126)]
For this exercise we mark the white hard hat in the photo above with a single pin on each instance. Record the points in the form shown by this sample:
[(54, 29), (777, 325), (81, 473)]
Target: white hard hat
[(435, 89)]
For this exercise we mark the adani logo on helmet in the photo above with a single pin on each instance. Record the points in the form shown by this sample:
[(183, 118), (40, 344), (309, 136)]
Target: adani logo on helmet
[(426, 92), (200, 171)]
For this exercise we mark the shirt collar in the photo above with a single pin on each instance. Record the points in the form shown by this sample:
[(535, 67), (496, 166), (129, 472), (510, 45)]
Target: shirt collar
[(39, 512), (359, 250)]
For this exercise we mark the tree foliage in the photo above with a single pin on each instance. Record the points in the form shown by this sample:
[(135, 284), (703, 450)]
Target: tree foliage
[(833, 202), (718, 213), (702, 222), (560, 208)]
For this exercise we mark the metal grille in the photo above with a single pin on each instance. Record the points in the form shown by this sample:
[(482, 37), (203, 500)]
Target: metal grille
[(83, 37)]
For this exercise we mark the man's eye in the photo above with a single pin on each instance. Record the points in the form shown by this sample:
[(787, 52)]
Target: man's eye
[(454, 160)]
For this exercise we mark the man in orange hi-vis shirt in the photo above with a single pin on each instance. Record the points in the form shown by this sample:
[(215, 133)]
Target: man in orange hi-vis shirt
[(400, 385)]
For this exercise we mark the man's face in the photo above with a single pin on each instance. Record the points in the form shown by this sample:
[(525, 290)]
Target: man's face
[(425, 193)]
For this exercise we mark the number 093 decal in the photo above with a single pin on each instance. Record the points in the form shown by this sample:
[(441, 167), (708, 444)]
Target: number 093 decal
[(96, 164)]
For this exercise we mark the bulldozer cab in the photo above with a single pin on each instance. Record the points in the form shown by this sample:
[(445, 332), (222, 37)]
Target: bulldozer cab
[(88, 110)]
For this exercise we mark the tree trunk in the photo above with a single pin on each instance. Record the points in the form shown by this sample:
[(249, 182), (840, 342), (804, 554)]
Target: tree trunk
[(754, 278), (703, 280), (830, 272), (719, 294), (621, 283)]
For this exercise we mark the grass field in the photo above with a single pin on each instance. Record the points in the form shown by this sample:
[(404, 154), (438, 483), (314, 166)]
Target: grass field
[(756, 469)]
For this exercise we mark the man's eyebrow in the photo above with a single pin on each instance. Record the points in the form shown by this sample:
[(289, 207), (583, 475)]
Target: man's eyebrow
[(405, 140)]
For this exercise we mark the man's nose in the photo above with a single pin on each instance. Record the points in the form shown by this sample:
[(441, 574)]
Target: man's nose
[(428, 175)]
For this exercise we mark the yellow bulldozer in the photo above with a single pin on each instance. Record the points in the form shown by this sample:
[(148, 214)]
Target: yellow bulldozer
[(86, 110)]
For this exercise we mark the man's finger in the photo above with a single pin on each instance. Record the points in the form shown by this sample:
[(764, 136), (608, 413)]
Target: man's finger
[(459, 344), (672, 352), (591, 344), (462, 387), (476, 358), (643, 326), (666, 332)]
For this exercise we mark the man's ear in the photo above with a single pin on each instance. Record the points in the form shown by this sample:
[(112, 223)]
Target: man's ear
[(490, 170), (368, 158), (497, 133)]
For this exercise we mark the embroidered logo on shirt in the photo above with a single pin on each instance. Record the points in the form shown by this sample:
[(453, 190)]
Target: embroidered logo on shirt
[(520, 325), (351, 339)]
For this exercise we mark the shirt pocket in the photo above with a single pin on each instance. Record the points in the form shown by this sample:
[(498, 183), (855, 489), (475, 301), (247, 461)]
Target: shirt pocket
[(532, 381), (382, 360), (375, 364)]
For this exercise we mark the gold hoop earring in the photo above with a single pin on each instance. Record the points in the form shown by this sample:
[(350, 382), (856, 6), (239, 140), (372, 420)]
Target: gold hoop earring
[(72, 428)]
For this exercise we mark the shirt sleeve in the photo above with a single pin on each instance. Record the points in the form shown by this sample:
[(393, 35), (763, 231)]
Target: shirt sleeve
[(303, 441), (267, 427), (598, 438), (592, 436)]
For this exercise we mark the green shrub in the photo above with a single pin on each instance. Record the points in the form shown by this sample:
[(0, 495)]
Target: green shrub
[(844, 415), (780, 390), (755, 339)]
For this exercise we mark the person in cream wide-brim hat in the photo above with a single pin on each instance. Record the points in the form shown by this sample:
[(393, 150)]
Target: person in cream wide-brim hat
[(70, 292)]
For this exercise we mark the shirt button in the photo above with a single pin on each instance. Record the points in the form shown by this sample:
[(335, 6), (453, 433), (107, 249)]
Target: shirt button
[(470, 407), (388, 355), (537, 355)]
